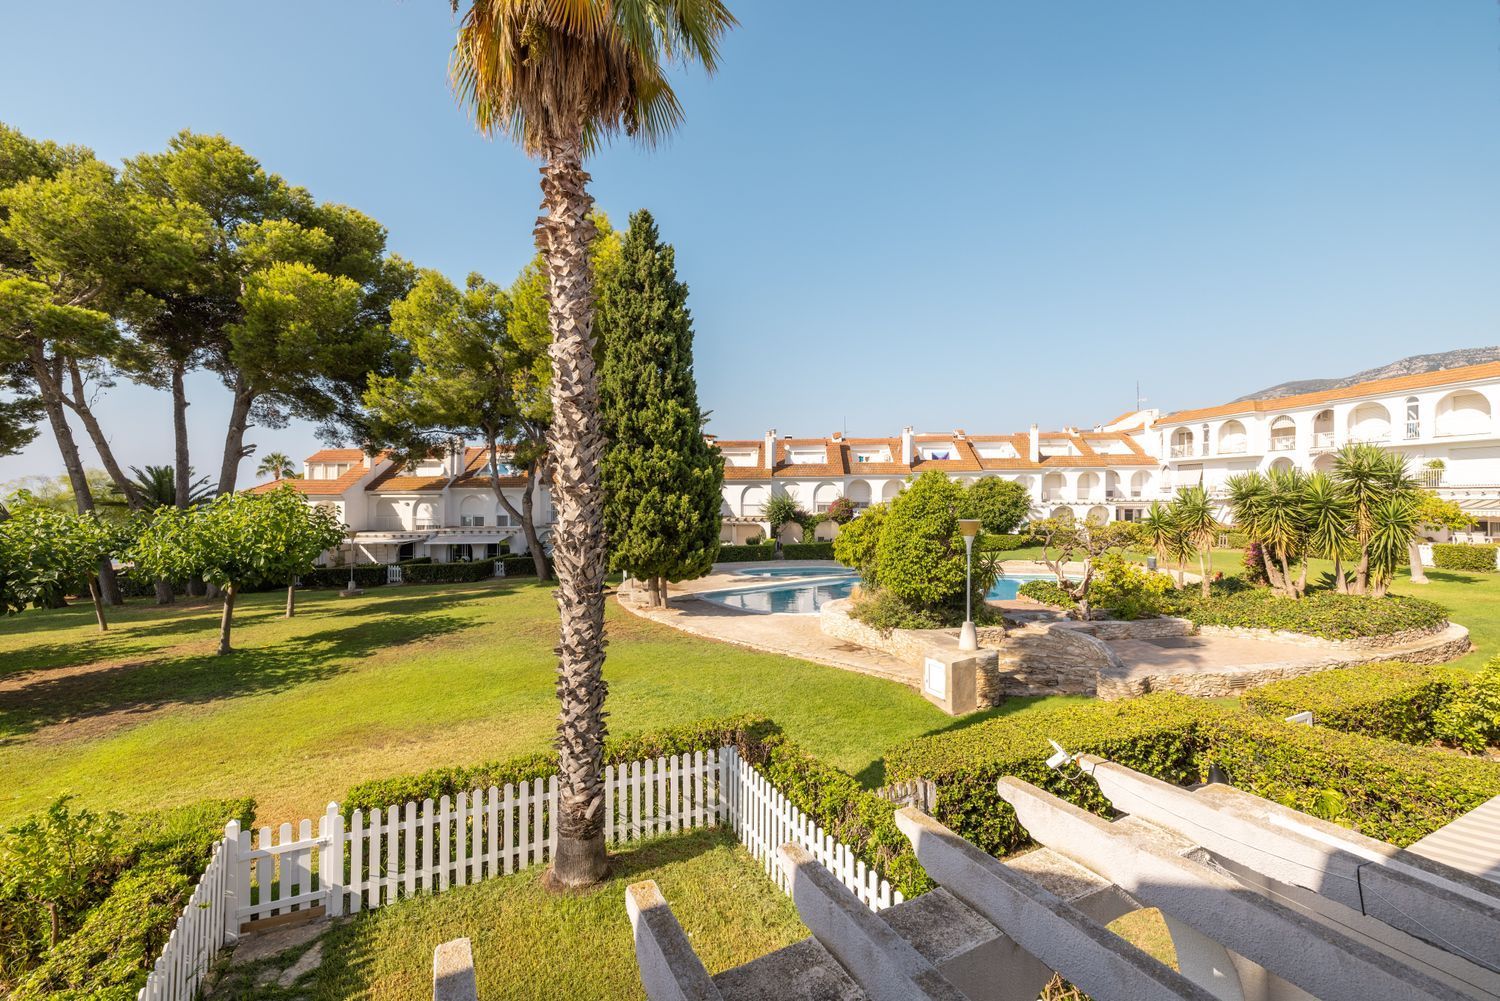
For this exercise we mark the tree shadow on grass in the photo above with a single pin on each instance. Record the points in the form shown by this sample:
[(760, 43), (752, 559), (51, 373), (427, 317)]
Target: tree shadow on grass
[(92, 700)]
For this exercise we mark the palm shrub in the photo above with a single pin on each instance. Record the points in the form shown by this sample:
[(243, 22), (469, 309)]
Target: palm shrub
[(1194, 516), (1380, 491), (1328, 513)]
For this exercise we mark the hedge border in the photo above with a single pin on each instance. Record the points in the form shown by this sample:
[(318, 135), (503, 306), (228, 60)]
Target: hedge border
[(1394, 700), (1469, 556)]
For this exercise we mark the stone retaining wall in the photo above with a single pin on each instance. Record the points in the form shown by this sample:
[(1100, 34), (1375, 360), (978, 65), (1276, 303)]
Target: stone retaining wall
[(1406, 637)]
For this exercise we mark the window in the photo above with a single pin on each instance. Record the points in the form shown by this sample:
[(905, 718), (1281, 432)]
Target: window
[(1413, 418), (1203, 440), (407, 551), (471, 520), (872, 455), (807, 456)]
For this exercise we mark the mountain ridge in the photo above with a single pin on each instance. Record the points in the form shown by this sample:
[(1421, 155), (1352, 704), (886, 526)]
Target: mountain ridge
[(1411, 365)]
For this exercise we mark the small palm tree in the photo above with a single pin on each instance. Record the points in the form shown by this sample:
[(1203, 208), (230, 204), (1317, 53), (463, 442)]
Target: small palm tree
[(558, 77), (156, 487), (1393, 524), (1193, 512), (276, 466), (1282, 520), (1158, 529), (1329, 513), (1247, 503), (1371, 476)]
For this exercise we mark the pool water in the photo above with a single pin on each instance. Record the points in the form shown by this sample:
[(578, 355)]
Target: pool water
[(824, 571), (808, 598)]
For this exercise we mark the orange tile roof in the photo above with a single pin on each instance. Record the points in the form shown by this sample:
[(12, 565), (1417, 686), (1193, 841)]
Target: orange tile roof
[(338, 455), (1375, 387), (316, 488)]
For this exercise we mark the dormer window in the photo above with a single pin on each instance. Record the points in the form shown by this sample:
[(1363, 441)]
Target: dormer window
[(936, 453), (872, 455), (807, 456), (1000, 450), (739, 457)]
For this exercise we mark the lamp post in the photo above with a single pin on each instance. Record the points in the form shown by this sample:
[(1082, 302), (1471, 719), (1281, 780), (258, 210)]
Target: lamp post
[(968, 638)]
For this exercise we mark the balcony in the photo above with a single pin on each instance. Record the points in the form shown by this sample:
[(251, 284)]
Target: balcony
[(1322, 441), (1284, 443), (1181, 451)]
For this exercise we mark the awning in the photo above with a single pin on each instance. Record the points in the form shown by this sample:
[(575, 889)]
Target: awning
[(377, 537), (1484, 507), (468, 539)]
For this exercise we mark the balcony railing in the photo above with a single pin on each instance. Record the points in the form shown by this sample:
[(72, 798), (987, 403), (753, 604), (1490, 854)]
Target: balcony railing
[(1239, 449), (1322, 440), (1283, 443), (1181, 451)]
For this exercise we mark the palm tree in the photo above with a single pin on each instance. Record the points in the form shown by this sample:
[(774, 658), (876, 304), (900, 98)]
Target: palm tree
[(1194, 515), (1283, 524), (1393, 524), (1247, 503), (1370, 476), (1329, 513), (1159, 529), (157, 487), (276, 466), (559, 77)]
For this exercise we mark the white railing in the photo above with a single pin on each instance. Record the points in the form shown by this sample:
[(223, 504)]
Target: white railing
[(197, 937), (1182, 451), (1322, 439), (378, 857), (1287, 443)]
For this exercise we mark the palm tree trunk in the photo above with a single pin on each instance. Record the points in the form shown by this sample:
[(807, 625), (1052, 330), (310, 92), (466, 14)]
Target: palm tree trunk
[(226, 620), (1362, 570), (1203, 573), (1340, 582), (1418, 575), (576, 442)]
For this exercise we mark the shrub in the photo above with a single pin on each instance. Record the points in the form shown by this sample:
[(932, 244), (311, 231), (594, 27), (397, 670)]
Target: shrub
[(1000, 505), (519, 566), (747, 554), (1048, 592), (857, 542), (1154, 734), (1463, 556), (841, 511), (833, 798), (1471, 718), (365, 575), (1391, 700), (1255, 565), (881, 609), (141, 888), (920, 555), (1004, 543), (1386, 790), (1326, 614), (1128, 590), (807, 550), (450, 573)]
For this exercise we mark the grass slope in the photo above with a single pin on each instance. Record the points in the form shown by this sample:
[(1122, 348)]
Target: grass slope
[(394, 681)]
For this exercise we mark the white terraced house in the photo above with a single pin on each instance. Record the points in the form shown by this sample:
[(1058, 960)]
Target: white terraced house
[(441, 507), (1444, 422)]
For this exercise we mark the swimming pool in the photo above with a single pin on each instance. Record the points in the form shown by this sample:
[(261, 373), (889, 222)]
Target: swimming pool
[(824, 571), (807, 598)]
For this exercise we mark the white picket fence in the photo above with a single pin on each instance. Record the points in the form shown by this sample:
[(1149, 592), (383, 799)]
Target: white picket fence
[(374, 859), (199, 934)]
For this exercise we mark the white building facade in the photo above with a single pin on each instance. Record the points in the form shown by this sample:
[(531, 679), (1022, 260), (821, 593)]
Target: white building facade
[(1444, 423)]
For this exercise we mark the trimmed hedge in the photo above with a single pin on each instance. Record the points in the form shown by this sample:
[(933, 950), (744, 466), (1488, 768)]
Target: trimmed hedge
[(1386, 790), (108, 957), (1049, 592), (807, 550), (1391, 700), (835, 799), (1463, 556), (1156, 734), (449, 573), (519, 565), (1004, 543), (365, 575), (1326, 614), (748, 554)]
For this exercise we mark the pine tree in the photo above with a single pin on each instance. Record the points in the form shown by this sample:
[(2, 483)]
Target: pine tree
[(662, 481)]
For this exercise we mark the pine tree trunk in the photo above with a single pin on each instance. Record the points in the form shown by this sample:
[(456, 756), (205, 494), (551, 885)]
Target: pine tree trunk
[(234, 436), (576, 443), (80, 405), (524, 516), (226, 620), (181, 469), (1418, 574), (83, 496), (98, 604), (291, 599)]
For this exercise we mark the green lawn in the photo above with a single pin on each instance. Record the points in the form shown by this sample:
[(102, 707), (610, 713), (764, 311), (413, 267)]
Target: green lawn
[(396, 681), (531, 944)]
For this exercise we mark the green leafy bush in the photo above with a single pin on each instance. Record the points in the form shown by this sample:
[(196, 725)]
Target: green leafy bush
[(1387, 790), (747, 554), (920, 555), (519, 566), (1128, 590), (1470, 719), (1155, 734), (1003, 542), (1391, 700), (365, 575), (1000, 505), (450, 573), (136, 892), (807, 550), (1326, 614), (855, 546), (1048, 592), (1463, 556)]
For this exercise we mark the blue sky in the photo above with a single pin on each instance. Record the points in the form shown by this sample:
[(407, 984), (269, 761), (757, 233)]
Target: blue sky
[(965, 215)]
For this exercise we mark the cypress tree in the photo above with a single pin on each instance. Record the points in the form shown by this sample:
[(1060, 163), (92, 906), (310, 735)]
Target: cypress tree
[(662, 481)]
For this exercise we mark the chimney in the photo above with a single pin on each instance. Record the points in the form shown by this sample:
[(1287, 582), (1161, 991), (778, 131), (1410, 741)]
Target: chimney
[(1034, 449), (770, 455), (907, 452)]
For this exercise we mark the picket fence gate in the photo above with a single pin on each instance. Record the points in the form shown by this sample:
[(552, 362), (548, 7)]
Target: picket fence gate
[(372, 859)]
